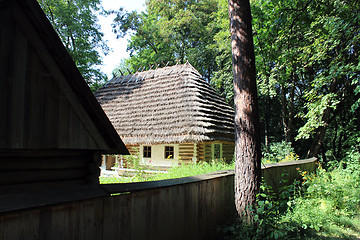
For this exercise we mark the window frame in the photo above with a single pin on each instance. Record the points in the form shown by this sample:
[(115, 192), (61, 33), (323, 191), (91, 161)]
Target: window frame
[(168, 153), (147, 151), (213, 151)]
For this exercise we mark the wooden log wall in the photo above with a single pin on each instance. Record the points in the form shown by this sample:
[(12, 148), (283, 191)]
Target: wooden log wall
[(207, 152), (204, 151), (133, 149), (29, 171), (200, 151), (186, 152), (228, 151), (110, 160)]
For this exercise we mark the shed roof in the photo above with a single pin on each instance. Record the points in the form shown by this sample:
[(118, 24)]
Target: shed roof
[(166, 105), (41, 89)]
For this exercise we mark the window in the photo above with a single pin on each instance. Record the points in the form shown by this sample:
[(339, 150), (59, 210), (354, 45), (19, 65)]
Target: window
[(169, 152), (216, 151), (147, 152)]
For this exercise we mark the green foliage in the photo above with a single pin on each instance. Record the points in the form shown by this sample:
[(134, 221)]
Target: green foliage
[(330, 204), (76, 24), (122, 69), (267, 215), (222, 79), (323, 205), (170, 32), (279, 152)]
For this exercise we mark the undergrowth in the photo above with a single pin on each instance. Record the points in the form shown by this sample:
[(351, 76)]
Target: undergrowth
[(324, 205), (278, 152)]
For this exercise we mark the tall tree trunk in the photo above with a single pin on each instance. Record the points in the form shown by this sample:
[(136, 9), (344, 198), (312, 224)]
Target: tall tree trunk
[(287, 108), (247, 137), (291, 112), (284, 109), (267, 117), (320, 134)]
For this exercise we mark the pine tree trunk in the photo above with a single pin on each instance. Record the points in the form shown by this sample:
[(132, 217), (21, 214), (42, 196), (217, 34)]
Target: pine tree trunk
[(247, 137)]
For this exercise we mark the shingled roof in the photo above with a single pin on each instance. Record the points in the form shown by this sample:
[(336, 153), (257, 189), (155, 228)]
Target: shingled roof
[(166, 105)]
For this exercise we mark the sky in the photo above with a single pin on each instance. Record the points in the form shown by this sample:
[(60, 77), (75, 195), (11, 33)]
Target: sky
[(117, 46)]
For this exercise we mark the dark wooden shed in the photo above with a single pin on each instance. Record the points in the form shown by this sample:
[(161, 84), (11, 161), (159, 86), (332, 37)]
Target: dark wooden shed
[(52, 129)]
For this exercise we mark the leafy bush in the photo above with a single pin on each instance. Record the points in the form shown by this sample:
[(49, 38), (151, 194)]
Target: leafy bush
[(267, 216), (279, 152), (325, 204), (330, 204)]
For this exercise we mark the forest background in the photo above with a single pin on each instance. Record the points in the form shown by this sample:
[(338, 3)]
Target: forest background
[(307, 60)]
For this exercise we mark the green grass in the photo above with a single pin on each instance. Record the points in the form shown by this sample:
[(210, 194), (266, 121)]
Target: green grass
[(174, 172)]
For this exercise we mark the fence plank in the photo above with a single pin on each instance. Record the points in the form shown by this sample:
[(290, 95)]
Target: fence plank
[(188, 208)]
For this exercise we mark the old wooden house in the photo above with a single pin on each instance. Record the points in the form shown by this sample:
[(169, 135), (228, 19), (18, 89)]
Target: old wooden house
[(52, 129), (169, 115)]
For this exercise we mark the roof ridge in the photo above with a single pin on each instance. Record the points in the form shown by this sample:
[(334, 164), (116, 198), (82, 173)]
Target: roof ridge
[(141, 75)]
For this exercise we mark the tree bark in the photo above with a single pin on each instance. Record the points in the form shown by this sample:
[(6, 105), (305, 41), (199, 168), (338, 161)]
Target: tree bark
[(247, 137), (291, 111), (284, 109), (320, 134)]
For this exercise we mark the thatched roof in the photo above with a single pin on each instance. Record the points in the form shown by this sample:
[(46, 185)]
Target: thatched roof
[(166, 105)]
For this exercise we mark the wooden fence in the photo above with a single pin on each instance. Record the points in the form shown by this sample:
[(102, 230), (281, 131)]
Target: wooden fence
[(275, 173), (184, 208)]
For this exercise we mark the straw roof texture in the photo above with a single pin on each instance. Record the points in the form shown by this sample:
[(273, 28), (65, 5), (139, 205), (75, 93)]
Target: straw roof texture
[(166, 105)]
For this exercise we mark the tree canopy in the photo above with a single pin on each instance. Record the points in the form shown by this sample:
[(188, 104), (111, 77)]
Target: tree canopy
[(76, 24), (170, 32)]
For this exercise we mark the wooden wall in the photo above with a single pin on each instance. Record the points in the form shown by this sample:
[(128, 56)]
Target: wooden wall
[(186, 208), (204, 151), (33, 170), (186, 152), (133, 149), (38, 108), (275, 173), (228, 151)]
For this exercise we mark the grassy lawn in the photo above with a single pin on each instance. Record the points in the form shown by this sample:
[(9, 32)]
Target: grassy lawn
[(174, 172)]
